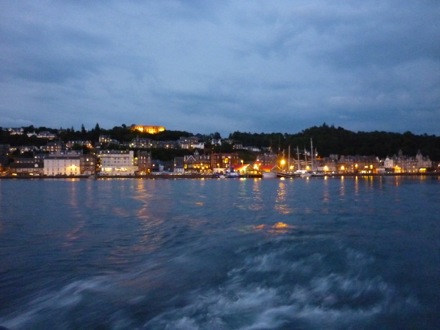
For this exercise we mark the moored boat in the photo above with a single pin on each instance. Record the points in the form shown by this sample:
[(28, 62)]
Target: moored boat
[(269, 175), (286, 175), (303, 173)]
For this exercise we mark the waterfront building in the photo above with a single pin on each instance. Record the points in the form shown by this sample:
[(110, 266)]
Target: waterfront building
[(179, 165), (87, 164), (117, 162), (423, 162), (159, 166), (27, 166), (197, 163), (388, 164), (326, 166), (222, 161), (144, 162), (59, 164), (358, 164), (404, 164)]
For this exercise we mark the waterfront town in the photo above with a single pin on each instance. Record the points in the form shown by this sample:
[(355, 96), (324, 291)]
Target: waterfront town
[(107, 157)]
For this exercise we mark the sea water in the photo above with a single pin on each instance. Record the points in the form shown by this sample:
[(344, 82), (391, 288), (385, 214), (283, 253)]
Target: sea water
[(317, 253)]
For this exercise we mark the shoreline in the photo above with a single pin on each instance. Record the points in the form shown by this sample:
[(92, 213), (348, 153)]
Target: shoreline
[(203, 176)]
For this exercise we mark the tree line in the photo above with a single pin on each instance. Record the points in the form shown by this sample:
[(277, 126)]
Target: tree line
[(327, 140)]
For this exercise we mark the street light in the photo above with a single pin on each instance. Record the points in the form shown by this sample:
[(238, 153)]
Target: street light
[(283, 162)]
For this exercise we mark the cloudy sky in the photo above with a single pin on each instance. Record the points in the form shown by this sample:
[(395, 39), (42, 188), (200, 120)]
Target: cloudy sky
[(205, 66)]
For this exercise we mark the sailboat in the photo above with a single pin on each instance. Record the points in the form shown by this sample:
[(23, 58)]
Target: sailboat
[(305, 173), (286, 173), (302, 173)]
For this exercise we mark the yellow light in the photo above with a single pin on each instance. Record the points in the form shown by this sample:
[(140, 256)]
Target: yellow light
[(280, 225), (148, 129), (283, 162)]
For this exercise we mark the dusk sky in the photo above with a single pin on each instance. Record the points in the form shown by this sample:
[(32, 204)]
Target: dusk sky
[(221, 66)]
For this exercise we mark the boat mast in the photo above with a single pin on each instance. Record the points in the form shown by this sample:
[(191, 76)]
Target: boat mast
[(305, 157), (297, 155), (311, 153), (288, 159)]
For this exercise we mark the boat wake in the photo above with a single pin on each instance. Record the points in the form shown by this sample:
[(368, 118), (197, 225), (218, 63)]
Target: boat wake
[(283, 288), (279, 283)]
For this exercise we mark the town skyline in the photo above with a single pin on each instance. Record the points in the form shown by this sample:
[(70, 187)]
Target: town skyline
[(142, 150)]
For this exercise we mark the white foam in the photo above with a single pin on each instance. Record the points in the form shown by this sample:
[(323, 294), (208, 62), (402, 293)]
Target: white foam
[(68, 297), (268, 290), (185, 323), (258, 295)]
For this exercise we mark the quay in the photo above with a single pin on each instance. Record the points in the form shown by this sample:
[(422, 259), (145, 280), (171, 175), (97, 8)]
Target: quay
[(207, 176)]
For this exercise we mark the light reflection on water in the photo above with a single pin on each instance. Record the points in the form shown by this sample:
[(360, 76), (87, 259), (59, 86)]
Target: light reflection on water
[(326, 196), (342, 189), (356, 186), (241, 253), (280, 203), (257, 198)]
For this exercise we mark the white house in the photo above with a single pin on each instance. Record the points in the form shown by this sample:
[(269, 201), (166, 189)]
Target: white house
[(63, 165)]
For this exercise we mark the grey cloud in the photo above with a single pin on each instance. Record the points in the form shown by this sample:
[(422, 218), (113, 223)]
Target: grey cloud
[(246, 65)]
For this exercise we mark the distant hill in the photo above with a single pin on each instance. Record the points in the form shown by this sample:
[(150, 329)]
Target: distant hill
[(337, 140)]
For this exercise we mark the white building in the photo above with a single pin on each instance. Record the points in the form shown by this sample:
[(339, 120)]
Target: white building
[(117, 162), (388, 163), (63, 165)]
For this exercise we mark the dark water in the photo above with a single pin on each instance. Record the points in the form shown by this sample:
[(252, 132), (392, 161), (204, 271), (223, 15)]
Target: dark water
[(353, 253)]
